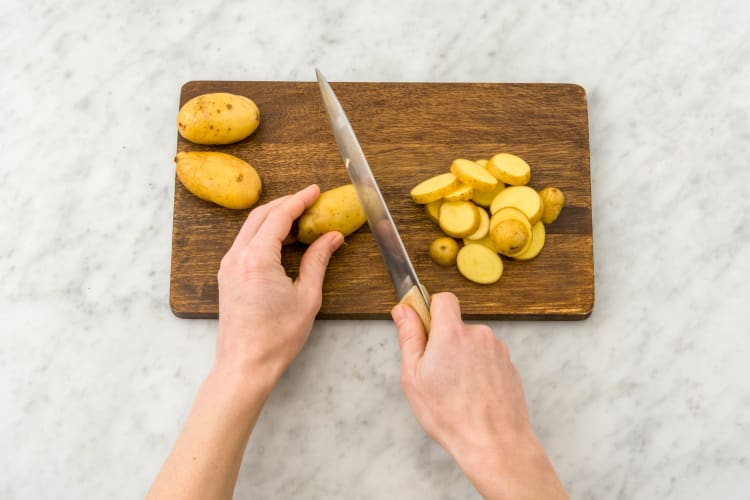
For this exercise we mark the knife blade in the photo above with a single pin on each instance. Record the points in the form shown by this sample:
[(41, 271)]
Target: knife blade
[(409, 290)]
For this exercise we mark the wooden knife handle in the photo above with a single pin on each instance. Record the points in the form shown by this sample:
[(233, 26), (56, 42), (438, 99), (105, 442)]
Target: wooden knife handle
[(414, 299)]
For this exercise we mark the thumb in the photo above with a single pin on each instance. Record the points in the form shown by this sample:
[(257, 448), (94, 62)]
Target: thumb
[(411, 337), (312, 267)]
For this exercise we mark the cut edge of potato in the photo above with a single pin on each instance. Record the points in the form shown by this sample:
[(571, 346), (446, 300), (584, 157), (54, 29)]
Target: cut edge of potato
[(484, 226), (463, 192), (434, 188), (510, 169), (538, 237), (524, 198), (474, 175), (459, 218)]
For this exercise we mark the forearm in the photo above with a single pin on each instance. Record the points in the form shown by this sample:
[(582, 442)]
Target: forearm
[(207, 455), (512, 469)]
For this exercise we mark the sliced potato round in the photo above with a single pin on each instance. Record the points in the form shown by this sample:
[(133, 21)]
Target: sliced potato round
[(443, 251), (433, 210), (462, 193), (484, 226), (538, 235), (552, 201), (459, 218), (479, 264), (482, 163), (486, 241), (474, 175), (510, 169), (434, 188), (484, 198), (523, 198)]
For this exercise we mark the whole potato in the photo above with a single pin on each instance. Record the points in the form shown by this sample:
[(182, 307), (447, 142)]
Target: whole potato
[(218, 118), (443, 251), (337, 209), (220, 178)]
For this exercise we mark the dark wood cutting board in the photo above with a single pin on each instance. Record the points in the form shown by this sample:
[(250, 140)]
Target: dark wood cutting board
[(409, 132)]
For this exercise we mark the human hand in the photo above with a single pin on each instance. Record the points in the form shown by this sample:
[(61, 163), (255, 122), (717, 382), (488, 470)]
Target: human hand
[(265, 317), (467, 395)]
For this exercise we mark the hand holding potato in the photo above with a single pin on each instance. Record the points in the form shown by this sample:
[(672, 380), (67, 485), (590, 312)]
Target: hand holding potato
[(467, 395), (264, 316)]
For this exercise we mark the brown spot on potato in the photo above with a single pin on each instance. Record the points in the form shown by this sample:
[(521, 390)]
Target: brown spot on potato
[(229, 106), (240, 177)]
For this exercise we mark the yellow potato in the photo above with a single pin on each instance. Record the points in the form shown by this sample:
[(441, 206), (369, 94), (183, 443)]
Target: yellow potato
[(443, 251), (474, 175), (523, 198), (462, 193), (510, 169), (486, 241), (434, 188), (337, 209), (484, 198), (482, 163), (220, 178), (484, 226), (433, 210), (503, 238), (459, 218), (479, 264), (553, 201), (511, 236), (538, 235), (218, 118)]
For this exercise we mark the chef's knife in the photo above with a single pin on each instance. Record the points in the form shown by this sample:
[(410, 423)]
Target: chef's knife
[(408, 288)]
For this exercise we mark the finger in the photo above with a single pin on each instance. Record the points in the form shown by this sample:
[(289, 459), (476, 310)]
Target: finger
[(312, 267), (254, 219), (446, 314), (412, 338), (278, 222)]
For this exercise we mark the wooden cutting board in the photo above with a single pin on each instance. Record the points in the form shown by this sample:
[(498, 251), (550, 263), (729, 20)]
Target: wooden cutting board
[(409, 132)]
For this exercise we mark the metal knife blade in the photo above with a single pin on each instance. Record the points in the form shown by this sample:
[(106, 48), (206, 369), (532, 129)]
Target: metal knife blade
[(400, 268)]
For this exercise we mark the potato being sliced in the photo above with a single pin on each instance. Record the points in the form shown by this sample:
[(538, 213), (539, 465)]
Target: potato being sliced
[(462, 193), (474, 175), (538, 235), (510, 169), (484, 198), (552, 201), (433, 210), (484, 226), (459, 218), (523, 198), (434, 188), (479, 264)]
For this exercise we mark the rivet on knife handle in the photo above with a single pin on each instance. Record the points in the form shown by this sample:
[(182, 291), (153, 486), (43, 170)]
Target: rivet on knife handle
[(416, 301)]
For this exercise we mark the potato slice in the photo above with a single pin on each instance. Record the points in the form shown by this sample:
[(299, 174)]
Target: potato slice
[(474, 175), (486, 241), (510, 169), (479, 264), (552, 201), (433, 210), (482, 163), (484, 226), (443, 251), (523, 198), (462, 193), (506, 239), (538, 236), (434, 188), (484, 198), (459, 218)]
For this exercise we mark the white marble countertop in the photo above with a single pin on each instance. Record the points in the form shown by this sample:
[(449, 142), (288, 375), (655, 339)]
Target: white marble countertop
[(648, 398)]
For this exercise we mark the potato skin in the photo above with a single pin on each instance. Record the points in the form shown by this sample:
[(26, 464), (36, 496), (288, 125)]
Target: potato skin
[(219, 178), (552, 202), (218, 118), (443, 251), (337, 209)]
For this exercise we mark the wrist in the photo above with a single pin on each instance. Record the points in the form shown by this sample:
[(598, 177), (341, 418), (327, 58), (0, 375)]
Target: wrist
[(514, 466), (244, 383)]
